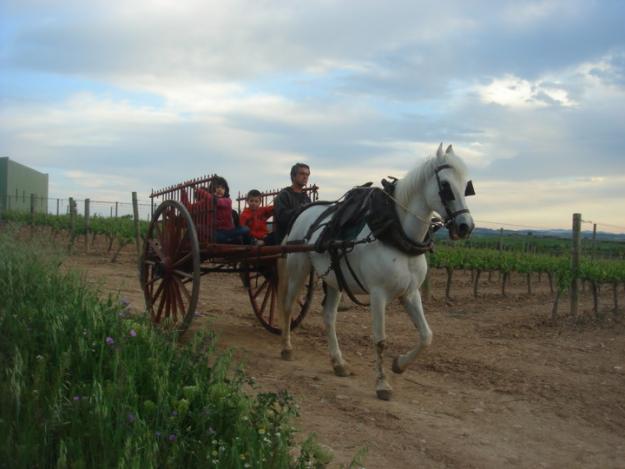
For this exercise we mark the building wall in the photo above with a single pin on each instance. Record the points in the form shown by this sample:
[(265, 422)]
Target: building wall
[(17, 182)]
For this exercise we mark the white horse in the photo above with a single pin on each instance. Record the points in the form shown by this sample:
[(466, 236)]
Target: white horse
[(437, 185)]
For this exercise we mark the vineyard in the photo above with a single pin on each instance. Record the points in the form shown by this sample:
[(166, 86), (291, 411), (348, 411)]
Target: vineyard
[(118, 232), (601, 267)]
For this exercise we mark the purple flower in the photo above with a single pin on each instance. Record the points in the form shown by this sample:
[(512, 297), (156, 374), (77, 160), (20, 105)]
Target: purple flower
[(158, 434), (174, 413), (172, 437), (133, 333), (76, 398), (109, 341), (131, 418), (124, 302)]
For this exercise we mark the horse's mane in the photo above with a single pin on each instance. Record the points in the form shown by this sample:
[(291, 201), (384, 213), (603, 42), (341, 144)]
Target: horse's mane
[(416, 177)]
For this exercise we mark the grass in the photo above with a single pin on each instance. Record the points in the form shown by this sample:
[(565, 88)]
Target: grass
[(84, 384)]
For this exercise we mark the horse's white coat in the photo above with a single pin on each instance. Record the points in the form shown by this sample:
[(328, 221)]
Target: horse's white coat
[(384, 271)]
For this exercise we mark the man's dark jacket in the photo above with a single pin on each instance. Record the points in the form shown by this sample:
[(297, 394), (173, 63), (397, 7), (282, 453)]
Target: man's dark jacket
[(286, 206)]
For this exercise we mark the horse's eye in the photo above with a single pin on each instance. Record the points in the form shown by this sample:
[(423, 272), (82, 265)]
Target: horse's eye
[(469, 190), (447, 195)]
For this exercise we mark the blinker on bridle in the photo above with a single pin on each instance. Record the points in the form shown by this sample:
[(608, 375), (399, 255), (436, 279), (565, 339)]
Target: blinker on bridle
[(447, 195)]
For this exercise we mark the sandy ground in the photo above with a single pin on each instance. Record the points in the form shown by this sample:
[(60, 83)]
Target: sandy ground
[(501, 385)]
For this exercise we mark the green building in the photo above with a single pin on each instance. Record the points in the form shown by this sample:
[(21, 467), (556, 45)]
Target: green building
[(17, 183)]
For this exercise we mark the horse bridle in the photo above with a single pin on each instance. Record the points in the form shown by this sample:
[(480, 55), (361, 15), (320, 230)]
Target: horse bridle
[(447, 195)]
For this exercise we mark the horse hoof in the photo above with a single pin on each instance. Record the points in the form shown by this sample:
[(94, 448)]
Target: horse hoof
[(340, 370), (287, 355), (396, 368), (384, 394)]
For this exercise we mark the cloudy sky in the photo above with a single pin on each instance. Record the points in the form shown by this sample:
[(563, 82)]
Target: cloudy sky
[(114, 96)]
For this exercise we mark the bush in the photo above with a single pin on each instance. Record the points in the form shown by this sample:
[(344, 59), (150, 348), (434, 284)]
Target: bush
[(84, 384)]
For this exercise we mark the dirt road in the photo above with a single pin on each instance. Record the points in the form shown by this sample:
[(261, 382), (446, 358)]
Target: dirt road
[(499, 387)]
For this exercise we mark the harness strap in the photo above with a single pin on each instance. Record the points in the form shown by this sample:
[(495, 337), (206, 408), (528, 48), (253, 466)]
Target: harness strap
[(335, 265)]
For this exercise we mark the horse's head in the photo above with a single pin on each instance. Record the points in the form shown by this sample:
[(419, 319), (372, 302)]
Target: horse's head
[(447, 190)]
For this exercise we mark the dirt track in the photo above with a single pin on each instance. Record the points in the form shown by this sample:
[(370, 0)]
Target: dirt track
[(499, 387)]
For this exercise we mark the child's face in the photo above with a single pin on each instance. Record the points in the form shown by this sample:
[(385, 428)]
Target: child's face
[(253, 202), (220, 191)]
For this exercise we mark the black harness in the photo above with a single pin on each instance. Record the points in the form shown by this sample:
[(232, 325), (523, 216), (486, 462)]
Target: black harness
[(447, 195)]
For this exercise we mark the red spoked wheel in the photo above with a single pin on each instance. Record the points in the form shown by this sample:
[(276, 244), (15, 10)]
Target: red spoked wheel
[(262, 287), (170, 267)]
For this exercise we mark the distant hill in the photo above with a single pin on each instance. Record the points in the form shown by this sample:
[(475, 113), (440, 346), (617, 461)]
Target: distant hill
[(561, 234)]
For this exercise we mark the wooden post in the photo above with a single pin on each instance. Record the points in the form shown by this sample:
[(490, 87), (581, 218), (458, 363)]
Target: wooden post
[(592, 243), (576, 247), (57, 207), (135, 211), (32, 214), (500, 242), (72, 223), (87, 210), (116, 208), (32, 209)]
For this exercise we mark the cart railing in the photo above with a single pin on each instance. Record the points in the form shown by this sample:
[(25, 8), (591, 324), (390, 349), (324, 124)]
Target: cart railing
[(268, 196)]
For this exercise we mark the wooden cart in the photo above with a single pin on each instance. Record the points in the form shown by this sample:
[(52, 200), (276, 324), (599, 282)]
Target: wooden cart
[(180, 248)]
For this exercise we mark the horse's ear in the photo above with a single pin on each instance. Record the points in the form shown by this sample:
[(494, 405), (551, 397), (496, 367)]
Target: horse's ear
[(439, 152), (449, 150)]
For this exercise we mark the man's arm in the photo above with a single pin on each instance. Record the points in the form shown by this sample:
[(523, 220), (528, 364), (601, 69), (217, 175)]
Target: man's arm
[(283, 210)]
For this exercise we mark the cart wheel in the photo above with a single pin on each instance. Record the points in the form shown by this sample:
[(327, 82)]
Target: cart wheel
[(170, 267), (262, 287)]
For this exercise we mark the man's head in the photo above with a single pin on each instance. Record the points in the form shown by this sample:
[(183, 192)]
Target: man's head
[(254, 199), (299, 175)]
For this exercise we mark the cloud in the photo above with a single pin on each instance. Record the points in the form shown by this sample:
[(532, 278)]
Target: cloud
[(155, 92)]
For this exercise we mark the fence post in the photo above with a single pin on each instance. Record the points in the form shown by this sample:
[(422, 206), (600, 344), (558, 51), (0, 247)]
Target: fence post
[(593, 242), (32, 214), (87, 213), (72, 222), (576, 247), (116, 208), (135, 211), (57, 207)]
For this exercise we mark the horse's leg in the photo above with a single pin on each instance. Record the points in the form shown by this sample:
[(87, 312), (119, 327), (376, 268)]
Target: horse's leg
[(330, 306), (378, 309), (414, 308), (292, 274)]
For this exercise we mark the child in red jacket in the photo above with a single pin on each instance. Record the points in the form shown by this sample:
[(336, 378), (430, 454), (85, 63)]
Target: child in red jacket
[(255, 217), (226, 231)]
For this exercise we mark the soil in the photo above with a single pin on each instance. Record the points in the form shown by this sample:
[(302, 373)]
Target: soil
[(502, 385)]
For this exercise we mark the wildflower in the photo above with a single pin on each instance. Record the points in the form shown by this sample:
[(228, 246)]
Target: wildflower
[(242, 456), (261, 431), (133, 333), (158, 434), (247, 465), (211, 432), (131, 418), (214, 453), (172, 437), (110, 341), (124, 302), (214, 442), (76, 398), (174, 413)]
